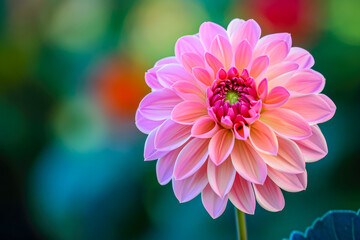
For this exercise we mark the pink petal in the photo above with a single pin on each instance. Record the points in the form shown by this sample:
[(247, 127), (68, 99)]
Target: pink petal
[(241, 131), (208, 31), (301, 57), (248, 163), (221, 145), (165, 166), (269, 196), (265, 41), (242, 195), (191, 158), (190, 187), (311, 107), (145, 125), (151, 79), (150, 152), (221, 49), (234, 27), (286, 123), (188, 112), (277, 97), (263, 138), (171, 73), (314, 147), (158, 105), (188, 44), (166, 60), (189, 91), (306, 81), (277, 51), (289, 158), (203, 76), (191, 60), (243, 55), (288, 182), (213, 204), (204, 127), (221, 178), (280, 69), (331, 104), (281, 80), (249, 31), (214, 63), (171, 135), (258, 67), (263, 89)]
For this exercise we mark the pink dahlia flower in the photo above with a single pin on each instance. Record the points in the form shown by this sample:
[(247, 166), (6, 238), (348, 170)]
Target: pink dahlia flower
[(234, 117)]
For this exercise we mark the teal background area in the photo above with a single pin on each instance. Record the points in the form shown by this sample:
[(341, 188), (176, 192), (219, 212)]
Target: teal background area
[(71, 78)]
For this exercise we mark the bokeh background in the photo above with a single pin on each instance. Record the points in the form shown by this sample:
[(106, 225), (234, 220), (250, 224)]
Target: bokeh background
[(71, 77)]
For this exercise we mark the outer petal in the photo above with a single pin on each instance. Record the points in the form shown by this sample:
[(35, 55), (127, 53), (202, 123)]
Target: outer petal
[(289, 182), (234, 27), (248, 163), (269, 196), (221, 178), (300, 56), (266, 40), (165, 166), (191, 60), (208, 31), (191, 158), (159, 104), (146, 125), (311, 107), (213, 204), (188, 112), (172, 73), (289, 158), (243, 55), (314, 147), (150, 152), (286, 123), (331, 105), (188, 44), (204, 127), (190, 187), (166, 60), (221, 49), (263, 138), (249, 31), (221, 145), (242, 195), (171, 135), (277, 51), (306, 81), (151, 79)]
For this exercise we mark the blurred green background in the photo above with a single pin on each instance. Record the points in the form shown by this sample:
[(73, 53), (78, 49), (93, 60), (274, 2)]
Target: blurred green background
[(71, 77)]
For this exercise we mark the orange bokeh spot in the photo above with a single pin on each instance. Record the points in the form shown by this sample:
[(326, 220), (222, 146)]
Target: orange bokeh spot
[(120, 86)]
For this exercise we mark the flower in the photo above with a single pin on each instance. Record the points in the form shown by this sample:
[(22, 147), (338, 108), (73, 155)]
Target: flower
[(234, 116)]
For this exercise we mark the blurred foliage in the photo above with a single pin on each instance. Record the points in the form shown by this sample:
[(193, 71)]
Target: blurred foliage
[(71, 77)]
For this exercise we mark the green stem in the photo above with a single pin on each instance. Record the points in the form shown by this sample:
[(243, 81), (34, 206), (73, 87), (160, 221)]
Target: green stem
[(240, 224)]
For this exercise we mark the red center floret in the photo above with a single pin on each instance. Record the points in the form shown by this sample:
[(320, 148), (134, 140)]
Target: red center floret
[(232, 99)]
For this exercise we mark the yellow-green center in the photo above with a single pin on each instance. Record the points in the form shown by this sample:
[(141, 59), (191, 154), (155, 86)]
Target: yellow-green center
[(232, 97)]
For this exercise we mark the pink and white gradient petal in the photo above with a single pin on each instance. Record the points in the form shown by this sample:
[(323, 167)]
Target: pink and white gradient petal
[(213, 204)]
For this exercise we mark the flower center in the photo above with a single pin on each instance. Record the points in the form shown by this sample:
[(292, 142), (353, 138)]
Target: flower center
[(232, 96), (232, 99)]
